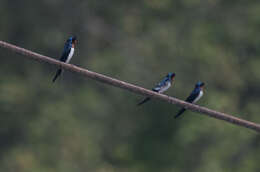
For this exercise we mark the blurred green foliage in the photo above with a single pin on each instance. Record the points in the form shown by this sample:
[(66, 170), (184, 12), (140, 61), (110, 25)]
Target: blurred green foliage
[(80, 125)]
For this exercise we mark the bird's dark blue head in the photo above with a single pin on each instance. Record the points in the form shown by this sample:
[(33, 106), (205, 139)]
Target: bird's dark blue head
[(72, 39), (170, 75), (199, 84)]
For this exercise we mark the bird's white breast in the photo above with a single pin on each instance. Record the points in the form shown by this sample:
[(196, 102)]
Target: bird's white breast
[(70, 55), (166, 87), (199, 96)]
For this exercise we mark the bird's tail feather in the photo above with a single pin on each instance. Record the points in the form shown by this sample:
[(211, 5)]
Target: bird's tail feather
[(179, 113), (57, 75), (145, 100)]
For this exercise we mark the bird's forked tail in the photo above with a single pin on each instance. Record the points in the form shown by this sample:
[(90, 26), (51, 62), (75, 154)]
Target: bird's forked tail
[(145, 100), (180, 112), (57, 75)]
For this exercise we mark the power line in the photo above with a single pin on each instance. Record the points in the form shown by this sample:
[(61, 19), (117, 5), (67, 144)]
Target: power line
[(131, 87)]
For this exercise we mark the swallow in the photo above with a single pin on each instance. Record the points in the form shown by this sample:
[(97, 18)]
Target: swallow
[(161, 87), (67, 54), (195, 95)]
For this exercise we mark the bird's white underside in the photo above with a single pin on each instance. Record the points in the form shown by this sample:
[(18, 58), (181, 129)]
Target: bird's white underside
[(70, 55), (200, 95)]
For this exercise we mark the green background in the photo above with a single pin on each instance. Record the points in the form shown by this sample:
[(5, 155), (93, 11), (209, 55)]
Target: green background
[(78, 124)]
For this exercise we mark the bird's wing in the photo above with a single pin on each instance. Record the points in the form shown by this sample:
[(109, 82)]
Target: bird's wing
[(65, 52), (194, 94), (161, 84)]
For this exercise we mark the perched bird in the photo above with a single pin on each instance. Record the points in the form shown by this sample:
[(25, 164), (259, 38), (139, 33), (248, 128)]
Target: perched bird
[(161, 87), (67, 54), (195, 95)]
